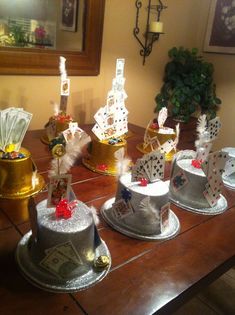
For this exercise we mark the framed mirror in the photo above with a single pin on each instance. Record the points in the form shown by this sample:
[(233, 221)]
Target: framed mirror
[(75, 33)]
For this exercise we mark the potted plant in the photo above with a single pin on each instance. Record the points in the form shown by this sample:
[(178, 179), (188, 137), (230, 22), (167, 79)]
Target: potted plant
[(188, 85)]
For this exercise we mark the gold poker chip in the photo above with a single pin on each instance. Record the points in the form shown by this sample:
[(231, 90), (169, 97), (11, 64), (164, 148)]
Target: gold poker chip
[(102, 262)]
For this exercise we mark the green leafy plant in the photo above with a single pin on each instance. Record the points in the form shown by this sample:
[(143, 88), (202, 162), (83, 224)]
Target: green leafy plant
[(188, 85)]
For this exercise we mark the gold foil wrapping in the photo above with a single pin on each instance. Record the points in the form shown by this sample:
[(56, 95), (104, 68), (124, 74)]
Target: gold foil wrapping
[(162, 138), (101, 158)]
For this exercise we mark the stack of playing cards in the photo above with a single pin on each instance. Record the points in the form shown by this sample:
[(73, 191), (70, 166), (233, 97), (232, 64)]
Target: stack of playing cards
[(14, 123), (150, 166), (207, 132), (61, 260), (111, 120), (213, 167)]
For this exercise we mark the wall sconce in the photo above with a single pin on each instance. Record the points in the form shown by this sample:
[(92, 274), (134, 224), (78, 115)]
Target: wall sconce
[(153, 28)]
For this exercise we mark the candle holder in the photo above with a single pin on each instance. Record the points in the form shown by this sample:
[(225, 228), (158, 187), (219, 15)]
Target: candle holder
[(153, 28)]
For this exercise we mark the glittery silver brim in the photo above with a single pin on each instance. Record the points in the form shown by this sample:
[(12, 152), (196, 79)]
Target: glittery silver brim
[(228, 184), (169, 232), (42, 279), (220, 207)]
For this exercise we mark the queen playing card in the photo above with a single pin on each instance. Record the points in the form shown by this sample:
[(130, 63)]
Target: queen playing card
[(59, 188)]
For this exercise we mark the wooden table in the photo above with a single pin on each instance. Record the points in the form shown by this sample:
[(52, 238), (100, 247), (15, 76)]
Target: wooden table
[(146, 277)]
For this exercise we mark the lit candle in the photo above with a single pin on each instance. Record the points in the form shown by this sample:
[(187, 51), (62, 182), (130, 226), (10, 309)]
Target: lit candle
[(156, 27)]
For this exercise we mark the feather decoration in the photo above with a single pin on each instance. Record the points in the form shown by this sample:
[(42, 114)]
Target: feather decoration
[(201, 125), (201, 129), (148, 211), (56, 108), (63, 72), (73, 150), (122, 162), (95, 215), (177, 132)]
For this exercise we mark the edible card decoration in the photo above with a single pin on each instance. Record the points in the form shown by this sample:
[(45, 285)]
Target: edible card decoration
[(213, 168), (179, 181), (150, 166), (207, 131), (162, 116), (14, 123), (229, 167), (111, 119), (64, 85)]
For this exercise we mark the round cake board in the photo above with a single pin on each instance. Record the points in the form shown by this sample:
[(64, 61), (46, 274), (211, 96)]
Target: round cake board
[(46, 281), (171, 231), (228, 185), (93, 168)]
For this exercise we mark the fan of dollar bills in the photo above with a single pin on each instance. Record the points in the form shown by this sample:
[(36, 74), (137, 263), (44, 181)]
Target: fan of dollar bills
[(14, 123)]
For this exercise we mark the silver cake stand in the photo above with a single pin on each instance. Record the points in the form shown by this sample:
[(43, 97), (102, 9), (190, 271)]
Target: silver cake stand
[(168, 233), (46, 281)]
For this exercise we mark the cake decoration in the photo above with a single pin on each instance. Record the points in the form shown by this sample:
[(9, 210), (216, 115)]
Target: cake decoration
[(229, 170), (196, 176), (141, 208), (60, 120), (159, 137), (110, 128), (19, 179), (63, 252)]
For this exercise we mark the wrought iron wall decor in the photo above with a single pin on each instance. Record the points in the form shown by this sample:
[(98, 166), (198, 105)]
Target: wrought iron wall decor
[(153, 28)]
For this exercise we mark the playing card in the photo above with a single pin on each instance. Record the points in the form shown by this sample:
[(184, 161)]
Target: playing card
[(158, 165), (203, 151), (214, 126), (138, 171), (162, 116), (121, 209), (211, 196), (59, 188), (100, 117), (147, 164), (179, 181), (58, 264), (229, 167), (120, 63), (65, 87), (167, 146), (98, 132)]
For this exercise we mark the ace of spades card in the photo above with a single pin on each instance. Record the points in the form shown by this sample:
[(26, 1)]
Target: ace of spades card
[(214, 126)]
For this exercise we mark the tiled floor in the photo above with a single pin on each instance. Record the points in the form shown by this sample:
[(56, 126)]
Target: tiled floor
[(216, 299)]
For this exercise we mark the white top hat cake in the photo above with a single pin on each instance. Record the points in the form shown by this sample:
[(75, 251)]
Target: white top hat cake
[(141, 208), (196, 177)]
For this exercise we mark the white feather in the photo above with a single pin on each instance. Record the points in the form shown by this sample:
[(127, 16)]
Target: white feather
[(95, 215), (148, 211), (201, 124), (122, 162), (177, 132), (63, 72), (56, 107), (73, 150)]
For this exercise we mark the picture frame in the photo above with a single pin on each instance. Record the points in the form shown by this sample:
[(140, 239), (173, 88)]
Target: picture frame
[(220, 32), (69, 15)]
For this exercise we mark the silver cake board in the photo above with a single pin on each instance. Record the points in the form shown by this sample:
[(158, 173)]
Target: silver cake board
[(48, 282), (228, 184), (219, 208), (171, 231)]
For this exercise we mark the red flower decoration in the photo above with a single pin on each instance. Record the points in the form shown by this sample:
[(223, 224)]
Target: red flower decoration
[(197, 163), (143, 182), (64, 208), (102, 167)]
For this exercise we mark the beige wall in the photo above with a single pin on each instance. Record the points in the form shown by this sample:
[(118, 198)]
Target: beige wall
[(184, 25)]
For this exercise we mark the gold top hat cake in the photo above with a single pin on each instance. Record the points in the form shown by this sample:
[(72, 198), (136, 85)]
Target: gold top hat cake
[(60, 120), (18, 174), (63, 251), (110, 128), (159, 137)]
